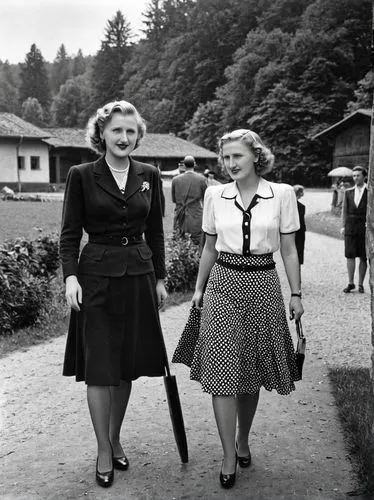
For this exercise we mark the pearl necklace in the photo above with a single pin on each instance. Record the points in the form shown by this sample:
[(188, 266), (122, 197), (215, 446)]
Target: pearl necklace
[(120, 176), (118, 170)]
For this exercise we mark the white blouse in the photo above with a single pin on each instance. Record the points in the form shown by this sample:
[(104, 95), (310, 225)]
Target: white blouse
[(255, 230)]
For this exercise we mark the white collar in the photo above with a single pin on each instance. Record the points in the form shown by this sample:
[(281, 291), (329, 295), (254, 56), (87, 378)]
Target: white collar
[(264, 190)]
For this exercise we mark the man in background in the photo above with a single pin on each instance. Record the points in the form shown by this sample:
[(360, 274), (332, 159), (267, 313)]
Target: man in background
[(354, 228), (187, 192)]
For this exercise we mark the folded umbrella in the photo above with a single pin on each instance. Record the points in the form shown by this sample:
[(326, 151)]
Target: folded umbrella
[(300, 348)]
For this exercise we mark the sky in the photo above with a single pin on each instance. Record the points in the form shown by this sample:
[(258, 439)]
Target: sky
[(78, 24)]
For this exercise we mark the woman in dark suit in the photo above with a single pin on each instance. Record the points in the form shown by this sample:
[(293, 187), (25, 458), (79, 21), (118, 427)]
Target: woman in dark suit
[(116, 285)]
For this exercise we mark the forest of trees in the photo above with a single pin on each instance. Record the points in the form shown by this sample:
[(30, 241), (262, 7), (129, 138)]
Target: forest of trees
[(285, 68)]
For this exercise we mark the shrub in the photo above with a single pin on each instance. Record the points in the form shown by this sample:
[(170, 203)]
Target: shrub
[(26, 267), (182, 263)]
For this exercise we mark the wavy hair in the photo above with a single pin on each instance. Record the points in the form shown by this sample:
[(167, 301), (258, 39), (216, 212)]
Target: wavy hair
[(265, 158), (97, 122)]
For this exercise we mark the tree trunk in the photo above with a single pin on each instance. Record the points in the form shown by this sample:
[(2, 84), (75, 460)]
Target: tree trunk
[(370, 233)]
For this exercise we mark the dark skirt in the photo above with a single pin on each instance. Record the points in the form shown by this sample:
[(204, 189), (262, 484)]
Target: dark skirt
[(244, 341), (117, 334)]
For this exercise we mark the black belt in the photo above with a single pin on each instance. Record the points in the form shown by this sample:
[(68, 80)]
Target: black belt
[(246, 267), (115, 240)]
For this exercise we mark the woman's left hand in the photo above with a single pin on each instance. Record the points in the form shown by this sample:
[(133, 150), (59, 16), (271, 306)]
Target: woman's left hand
[(161, 293), (296, 308)]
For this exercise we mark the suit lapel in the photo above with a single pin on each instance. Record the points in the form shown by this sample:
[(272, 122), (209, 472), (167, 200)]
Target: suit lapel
[(363, 198), (135, 179), (105, 179)]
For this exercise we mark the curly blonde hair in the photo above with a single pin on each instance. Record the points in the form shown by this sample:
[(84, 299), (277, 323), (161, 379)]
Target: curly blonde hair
[(265, 160), (97, 122)]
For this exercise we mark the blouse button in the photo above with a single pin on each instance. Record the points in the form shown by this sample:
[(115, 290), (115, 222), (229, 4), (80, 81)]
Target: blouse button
[(246, 236), (246, 223)]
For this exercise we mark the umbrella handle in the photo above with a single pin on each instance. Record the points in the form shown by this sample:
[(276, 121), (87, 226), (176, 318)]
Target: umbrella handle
[(299, 329)]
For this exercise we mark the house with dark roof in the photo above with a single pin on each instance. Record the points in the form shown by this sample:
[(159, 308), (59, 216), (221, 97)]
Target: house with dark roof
[(68, 147), (31, 158), (24, 157), (167, 150), (351, 137)]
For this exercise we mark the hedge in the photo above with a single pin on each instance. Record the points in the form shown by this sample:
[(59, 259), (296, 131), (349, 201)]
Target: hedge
[(26, 268)]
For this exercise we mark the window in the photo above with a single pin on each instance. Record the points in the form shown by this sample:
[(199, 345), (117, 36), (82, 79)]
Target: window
[(35, 162), (21, 162)]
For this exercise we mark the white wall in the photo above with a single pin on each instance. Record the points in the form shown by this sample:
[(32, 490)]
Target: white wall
[(28, 148)]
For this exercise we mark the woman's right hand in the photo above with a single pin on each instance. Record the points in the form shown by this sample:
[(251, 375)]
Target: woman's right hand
[(197, 299), (73, 292)]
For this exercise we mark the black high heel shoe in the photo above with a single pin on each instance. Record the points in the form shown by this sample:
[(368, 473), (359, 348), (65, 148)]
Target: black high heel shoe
[(228, 480), (104, 479), (244, 462), (121, 463)]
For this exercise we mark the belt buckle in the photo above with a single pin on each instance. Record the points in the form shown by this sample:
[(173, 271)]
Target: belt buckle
[(124, 241)]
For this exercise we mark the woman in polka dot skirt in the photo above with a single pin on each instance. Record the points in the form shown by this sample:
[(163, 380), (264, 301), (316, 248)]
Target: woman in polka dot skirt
[(244, 341)]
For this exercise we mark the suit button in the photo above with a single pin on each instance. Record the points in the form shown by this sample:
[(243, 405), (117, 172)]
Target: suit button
[(124, 206)]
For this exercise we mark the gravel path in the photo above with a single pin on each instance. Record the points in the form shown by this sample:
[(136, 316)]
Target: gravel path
[(47, 447)]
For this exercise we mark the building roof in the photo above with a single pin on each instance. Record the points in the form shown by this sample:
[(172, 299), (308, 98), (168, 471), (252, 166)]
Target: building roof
[(14, 126), (347, 121), (170, 146), (151, 146), (66, 138)]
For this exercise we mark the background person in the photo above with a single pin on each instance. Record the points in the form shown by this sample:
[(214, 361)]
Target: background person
[(244, 341), (354, 228), (210, 177), (300, 233), (187, 192), (118, 277)]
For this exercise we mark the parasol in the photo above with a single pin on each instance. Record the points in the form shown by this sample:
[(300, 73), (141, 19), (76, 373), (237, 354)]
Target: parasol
[(340, 172)]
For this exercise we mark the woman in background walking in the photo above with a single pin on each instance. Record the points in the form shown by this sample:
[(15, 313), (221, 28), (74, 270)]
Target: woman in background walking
[(244, 341), (118, 277)]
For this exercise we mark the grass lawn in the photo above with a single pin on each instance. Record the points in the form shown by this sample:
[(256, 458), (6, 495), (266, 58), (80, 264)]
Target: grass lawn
[(324, 223), (24, 218), (352, 389)]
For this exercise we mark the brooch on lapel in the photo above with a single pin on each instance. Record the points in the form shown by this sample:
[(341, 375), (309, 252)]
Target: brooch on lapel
[(145, 186)]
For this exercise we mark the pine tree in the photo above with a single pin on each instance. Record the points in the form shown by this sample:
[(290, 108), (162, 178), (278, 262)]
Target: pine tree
[(79, 64), (34, 79), (108, 65), (60, 69)]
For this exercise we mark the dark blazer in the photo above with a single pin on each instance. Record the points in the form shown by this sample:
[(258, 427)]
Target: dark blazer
[(354, 218), (187, 192), (301, 210), (93, 202)]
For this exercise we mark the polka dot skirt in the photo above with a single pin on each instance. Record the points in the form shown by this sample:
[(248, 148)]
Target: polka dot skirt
[(244, 341)]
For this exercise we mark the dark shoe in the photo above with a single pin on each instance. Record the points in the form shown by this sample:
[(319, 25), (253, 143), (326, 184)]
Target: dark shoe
[(227, 480), (104, 479), (244, 462), (349, 288), (121, 463), (361, 289)]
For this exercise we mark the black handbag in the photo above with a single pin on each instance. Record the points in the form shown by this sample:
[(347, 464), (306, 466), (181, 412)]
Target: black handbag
[(175, 409), (300, 348)]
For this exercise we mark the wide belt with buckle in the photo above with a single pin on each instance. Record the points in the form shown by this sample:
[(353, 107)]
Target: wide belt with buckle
[(116, 240)]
